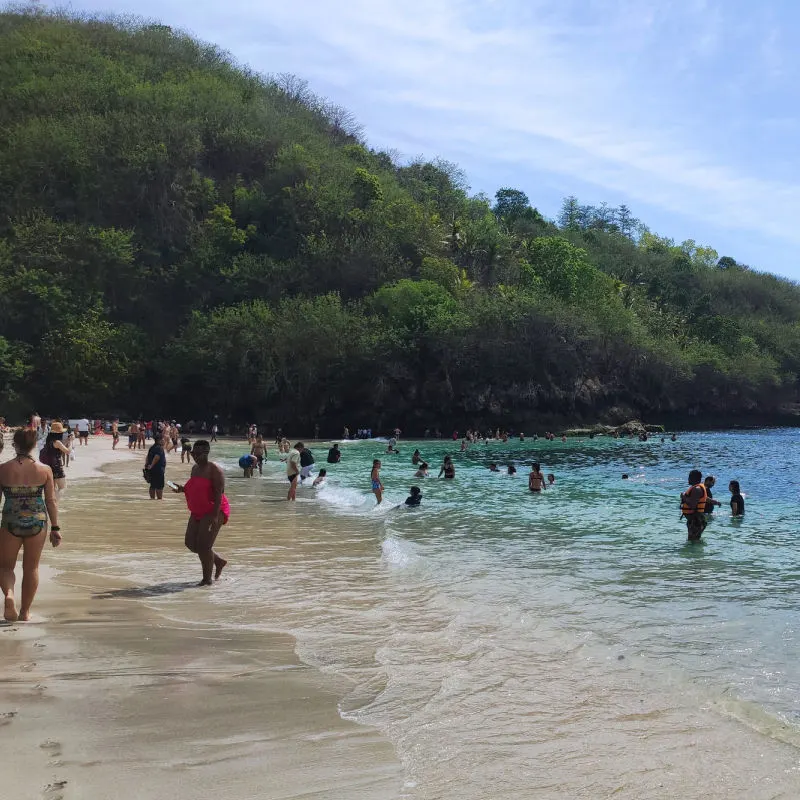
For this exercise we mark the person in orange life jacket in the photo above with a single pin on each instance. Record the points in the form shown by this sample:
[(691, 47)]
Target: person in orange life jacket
[(693, 506)]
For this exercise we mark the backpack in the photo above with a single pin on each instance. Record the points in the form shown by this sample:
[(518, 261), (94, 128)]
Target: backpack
[(46, 456)]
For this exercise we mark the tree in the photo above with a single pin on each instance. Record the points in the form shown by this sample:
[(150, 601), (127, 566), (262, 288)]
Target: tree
[(511, 204), (570, 212), (563, 268)]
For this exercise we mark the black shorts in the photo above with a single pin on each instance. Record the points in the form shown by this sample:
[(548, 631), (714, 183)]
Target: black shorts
[(293, 478), (695, 525), (157, 479), (83, 434)]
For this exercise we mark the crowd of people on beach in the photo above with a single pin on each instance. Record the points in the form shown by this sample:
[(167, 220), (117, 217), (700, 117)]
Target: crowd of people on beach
[(31, 483)]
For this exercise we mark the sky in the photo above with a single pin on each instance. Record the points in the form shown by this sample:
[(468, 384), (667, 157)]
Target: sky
[(685, 110)]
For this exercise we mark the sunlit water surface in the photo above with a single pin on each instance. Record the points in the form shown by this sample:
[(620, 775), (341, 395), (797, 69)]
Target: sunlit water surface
[(569, 644)]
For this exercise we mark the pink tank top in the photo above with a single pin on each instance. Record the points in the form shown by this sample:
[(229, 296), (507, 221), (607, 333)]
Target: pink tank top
[(200, 499)]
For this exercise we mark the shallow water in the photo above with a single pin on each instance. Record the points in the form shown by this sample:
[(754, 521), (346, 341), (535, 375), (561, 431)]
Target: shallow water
[(569, 644)]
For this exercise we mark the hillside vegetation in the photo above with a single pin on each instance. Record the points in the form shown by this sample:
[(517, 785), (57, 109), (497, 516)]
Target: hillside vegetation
[(181, 236)]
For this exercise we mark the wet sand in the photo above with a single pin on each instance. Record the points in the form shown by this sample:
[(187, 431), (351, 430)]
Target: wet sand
[(101, 696)]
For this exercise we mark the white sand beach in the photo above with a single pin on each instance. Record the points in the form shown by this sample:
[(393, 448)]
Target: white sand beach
[(101, 697)]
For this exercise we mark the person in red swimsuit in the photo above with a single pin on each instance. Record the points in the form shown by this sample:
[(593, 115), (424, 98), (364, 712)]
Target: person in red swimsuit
[(209, 510)]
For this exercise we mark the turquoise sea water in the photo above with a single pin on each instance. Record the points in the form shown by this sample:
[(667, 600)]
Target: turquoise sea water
[(570, 641)]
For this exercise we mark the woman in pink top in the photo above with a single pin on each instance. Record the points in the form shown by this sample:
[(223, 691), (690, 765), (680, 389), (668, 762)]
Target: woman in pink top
[(209, 510)]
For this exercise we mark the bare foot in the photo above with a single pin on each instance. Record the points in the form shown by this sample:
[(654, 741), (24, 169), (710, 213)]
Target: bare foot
[(204, 582), (220, 564), (24, 616), (10, 610)]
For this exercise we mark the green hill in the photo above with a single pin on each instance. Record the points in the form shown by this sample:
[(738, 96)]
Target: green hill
[(181, 236)]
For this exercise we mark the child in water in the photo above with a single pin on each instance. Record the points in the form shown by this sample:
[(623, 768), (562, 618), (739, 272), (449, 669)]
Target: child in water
[(551, 479), (248, 464), (415, 498), (320, 479), (422, 472), (737, 501), (375, 477)]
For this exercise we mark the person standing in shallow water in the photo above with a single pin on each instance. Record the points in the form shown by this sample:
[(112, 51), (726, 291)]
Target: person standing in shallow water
[(29, 501), (156, 464), (293, 470), (375, 478), (448, 469), (737, 501), (536, 481), (709, 483), (209, 510), (693, 506)]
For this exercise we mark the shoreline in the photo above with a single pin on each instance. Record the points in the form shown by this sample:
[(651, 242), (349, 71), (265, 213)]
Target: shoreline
[(99, 682)]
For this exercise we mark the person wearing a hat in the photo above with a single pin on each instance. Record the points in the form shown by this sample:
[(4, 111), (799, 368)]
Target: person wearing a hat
[(53, 454)]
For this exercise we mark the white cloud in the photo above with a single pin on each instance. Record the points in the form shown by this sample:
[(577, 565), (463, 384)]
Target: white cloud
[(551, 89)]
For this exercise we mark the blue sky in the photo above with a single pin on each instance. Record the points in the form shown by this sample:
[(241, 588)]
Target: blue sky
[(685, 110)]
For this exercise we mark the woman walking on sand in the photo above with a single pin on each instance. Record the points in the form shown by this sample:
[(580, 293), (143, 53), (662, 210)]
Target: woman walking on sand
[(55, 454), (209, 510), (29, 501)]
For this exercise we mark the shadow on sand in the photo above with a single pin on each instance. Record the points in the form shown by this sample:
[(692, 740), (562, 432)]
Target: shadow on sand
[(155, 590)]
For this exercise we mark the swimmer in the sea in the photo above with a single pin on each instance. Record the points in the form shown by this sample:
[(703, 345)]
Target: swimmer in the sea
[(493, 467), (320, 479), (448, 469), (551, 479), (375, 478), (415, 498), (512, 470), (422, 472), (737, 501), (536, 481)]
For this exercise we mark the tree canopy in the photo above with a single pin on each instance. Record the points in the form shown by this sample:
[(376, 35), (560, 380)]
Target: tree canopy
[(181, 236)]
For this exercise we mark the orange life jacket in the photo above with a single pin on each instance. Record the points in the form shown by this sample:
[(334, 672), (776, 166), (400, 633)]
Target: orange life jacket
[(700, 508)]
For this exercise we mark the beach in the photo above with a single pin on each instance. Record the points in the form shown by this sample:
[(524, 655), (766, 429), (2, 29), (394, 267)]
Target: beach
[(101, 696), (489, 644)]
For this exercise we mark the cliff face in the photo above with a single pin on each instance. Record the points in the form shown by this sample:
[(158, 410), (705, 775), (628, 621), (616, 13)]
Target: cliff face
[(179, 236)]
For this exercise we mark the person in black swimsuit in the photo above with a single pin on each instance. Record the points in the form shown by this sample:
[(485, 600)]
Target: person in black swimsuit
[(737, 501), (53, 454), (415, 498)]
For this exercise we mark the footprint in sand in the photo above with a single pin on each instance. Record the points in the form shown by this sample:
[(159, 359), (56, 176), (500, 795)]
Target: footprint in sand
[(54, 790), (53, 749), (6, 717)]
